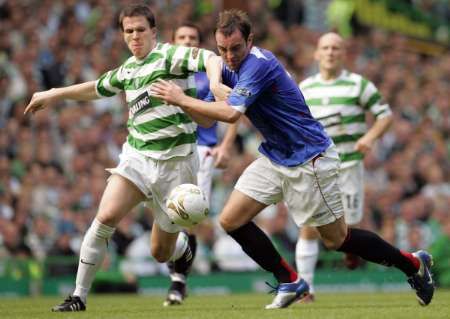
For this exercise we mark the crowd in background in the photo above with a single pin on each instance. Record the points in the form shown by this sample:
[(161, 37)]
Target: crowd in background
[(52, 165)]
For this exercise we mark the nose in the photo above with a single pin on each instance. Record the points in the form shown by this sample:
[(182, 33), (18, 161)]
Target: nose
[(229, 56)]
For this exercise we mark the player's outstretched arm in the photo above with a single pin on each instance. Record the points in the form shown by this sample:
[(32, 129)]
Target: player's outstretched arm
[(80, 92)]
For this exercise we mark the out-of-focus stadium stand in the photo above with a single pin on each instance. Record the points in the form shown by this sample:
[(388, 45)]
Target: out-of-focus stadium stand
[(52, 164)]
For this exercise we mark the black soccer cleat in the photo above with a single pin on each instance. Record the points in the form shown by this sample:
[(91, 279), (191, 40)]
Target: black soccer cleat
[(422, 282), (71, 303), (176, 294)]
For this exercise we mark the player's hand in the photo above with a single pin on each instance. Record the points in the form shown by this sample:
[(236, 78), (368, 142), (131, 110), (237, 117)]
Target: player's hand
[(221, 156), (167, 91), (220, 91), (41, 100), (364, 145)]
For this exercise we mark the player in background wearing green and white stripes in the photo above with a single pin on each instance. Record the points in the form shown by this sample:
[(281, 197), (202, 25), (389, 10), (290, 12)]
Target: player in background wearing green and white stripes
[(159, 154), (340, 99)]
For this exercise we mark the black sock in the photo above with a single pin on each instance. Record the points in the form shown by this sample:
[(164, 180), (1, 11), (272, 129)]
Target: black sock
[(372, 247), (258, 246), (183, 264)]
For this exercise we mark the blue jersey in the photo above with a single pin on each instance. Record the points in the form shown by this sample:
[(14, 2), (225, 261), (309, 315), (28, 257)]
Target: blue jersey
[(205, 136), (269, 97)]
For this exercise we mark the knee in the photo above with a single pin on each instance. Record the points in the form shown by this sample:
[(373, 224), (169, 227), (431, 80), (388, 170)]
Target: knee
[(334, 242), (228, 224), (160, 253), (107, 217)]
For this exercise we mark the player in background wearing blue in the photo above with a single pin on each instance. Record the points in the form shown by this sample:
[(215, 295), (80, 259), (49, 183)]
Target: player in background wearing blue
[(210, 154), (300, 165), (340, 99)]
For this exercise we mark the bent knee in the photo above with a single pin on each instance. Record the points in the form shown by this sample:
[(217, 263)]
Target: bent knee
[(228, 224), (334, 243), (161, 254)]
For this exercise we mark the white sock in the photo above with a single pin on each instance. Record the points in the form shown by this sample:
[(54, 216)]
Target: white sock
[(180, 246), (93, 250), (306, 253)]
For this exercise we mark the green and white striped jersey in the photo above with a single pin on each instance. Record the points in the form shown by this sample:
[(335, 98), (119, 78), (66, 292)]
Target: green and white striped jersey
[(340, 106), (156, 129)]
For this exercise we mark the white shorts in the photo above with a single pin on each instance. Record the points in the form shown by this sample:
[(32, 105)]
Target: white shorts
[(205, 172), (310, 191), (156, 178), (351, 181)]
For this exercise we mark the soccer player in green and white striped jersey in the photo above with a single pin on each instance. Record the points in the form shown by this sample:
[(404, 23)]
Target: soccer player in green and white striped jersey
[(160, 151), (340, 99)]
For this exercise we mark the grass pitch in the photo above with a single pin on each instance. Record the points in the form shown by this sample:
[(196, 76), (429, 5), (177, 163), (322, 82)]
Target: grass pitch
[(245, 306)]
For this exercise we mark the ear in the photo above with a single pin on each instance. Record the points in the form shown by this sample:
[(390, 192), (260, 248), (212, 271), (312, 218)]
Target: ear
[(250, 40), (153, 32)]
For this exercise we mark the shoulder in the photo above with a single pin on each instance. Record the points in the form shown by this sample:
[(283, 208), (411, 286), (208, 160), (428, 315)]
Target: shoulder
[(355, 77), (130, 62), (308, 81)]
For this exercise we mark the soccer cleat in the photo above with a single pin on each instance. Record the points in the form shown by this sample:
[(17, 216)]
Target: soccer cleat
[(422, 281), (287, 293), (309, 298), (176, 294), (72, 303)]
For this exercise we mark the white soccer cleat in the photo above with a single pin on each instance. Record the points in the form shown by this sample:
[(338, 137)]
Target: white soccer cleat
[(287, 293)]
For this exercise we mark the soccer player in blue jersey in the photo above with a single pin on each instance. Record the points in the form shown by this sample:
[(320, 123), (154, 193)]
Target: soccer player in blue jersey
[(210, 154), (300, 165)]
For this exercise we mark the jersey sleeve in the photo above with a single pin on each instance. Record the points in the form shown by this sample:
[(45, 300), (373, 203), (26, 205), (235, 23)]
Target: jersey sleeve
[(209, 97), (370, 99), (182, 60), (110, 83), (253, 79)]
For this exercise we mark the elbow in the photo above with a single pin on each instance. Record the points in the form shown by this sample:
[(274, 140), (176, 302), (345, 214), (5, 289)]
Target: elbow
[(232, 117)]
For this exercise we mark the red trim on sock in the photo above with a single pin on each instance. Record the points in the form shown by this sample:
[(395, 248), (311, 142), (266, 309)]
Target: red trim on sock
[(292, 273), (412, 259), (347, 238)]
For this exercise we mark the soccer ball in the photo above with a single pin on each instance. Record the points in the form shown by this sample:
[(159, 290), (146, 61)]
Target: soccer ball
[(187, 205)]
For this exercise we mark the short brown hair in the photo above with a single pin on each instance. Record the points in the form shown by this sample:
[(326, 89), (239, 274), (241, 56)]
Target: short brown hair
[(188, 24), (135, 10), (233, 19)]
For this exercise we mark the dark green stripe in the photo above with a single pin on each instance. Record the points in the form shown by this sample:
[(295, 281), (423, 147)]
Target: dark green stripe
[(364, 83), (333, 101), (191, 92), (337, 83), (184, 64), (101, 89), (163, 122), (359, 118), (139, 82), (347, 138), (354, 156), (376, 97), (169, 57), (201, 61), (114, 81), (154, 56), (162, 144)]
